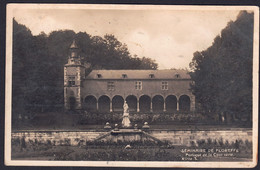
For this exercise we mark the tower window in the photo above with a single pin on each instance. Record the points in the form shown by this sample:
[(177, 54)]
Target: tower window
[(151, 75), (138, 85), (99, 75), (165, 85), (110, 86), (73, 54), (177, 76), (124, 76), (71, 81)]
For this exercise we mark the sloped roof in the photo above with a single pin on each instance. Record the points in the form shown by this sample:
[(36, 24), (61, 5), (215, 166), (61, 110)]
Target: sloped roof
[(138, 74), (73, 45)]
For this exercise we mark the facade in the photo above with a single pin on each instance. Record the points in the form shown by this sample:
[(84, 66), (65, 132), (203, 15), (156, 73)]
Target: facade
[(106, 90)]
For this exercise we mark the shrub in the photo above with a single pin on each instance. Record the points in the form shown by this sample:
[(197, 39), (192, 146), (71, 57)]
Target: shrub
[(23, 143), (115, 117), (49, 143), (192, 143), (201, 143), (220, 142), (248, 144), (227, 143), (15, 141), (209, 141)]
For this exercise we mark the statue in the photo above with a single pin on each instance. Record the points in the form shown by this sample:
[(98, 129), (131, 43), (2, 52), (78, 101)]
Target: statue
[(126, 121)]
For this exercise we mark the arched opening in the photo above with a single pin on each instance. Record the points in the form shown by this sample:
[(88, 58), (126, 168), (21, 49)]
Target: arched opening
[(144, 103), (117, 103), (184, 103), (104, 104), (132, 103), (72, 103), (171, 103), (158, 102), (90, 103)]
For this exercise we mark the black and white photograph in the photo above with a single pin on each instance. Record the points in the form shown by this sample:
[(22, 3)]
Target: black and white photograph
[(131, 85)]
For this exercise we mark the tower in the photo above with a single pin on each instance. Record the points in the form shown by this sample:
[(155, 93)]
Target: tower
[(74, 73)]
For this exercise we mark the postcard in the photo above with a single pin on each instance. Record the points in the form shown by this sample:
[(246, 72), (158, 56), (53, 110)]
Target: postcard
[(131, 85)]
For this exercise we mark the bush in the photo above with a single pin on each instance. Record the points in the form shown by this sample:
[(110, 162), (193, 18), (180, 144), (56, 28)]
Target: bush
[(115, 117), (201, 142), (209, 143), (16, 141), (23, 143)]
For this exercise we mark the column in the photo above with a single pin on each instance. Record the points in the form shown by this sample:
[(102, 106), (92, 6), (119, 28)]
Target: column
[(79, 103), (138, 110), (164, 106), (151, 106), (111, 110), (97, 105), (177, 105), (78, 99)]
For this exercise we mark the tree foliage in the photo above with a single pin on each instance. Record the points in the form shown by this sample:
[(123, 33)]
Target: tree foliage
[(38, 64), (222, 74)]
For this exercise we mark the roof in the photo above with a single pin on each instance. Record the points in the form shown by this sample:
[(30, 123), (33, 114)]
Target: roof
[(73, 45), (139, 74)]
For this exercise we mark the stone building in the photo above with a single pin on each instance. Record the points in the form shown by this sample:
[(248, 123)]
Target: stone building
[(106, 90)]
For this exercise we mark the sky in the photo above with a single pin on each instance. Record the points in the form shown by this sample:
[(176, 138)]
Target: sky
[(168, 36)]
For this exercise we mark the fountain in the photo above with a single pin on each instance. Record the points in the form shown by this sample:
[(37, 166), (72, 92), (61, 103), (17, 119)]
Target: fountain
[(127, 133)]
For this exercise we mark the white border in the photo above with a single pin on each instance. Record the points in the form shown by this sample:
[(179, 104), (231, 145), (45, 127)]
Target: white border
[(8, 90)]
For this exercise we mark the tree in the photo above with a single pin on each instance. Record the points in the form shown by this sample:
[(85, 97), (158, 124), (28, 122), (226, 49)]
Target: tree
[(22, 57), (222, 74), (38, 64)]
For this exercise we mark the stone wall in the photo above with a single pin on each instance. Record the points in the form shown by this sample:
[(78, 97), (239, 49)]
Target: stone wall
[(185, 137), (175, 137), (57, 137)]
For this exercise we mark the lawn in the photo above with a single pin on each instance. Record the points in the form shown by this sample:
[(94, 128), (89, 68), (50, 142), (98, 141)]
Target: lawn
[(138, 151)]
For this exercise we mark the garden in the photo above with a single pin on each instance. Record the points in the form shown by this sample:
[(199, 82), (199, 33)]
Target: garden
[(133, 151)]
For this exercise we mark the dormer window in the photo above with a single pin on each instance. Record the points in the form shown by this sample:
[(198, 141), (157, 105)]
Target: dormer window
[(124, 76), (99, 75), (151, 76), (177, 76)]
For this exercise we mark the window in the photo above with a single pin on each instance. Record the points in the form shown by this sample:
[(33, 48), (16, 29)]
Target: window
[(124, 76), (165, 85), (110, 86), (71, 81), (151, 75), (99, 75), (177, 76), (138, 85)]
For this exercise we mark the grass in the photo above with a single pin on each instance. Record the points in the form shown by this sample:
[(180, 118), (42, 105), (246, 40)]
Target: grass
[(139, 151)]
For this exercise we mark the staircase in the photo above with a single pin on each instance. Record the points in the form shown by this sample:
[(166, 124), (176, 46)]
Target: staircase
[(127, 135)]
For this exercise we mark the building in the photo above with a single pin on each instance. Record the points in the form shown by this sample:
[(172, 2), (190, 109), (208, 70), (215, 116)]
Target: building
[(106, 90)]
